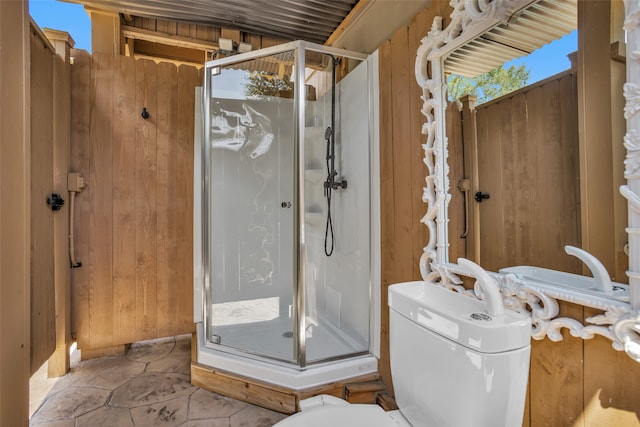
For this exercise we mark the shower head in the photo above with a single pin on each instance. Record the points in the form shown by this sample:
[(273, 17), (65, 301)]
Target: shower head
[(328, 133)]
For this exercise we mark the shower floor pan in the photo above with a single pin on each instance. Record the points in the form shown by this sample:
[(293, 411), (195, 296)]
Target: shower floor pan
[(274, 338), (213, 358)]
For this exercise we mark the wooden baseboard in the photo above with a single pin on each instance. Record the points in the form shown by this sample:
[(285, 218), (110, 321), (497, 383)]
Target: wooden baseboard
[(194, 347), (93, 353), (278, 398), (59, 362), (386, 401), (362, 392)]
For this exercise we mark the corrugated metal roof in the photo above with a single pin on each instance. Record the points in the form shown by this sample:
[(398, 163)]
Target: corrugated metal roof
[(311, 20), (530, 29)]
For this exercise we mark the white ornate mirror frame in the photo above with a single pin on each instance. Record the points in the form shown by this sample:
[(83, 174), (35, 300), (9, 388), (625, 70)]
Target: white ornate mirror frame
[(620, 321)]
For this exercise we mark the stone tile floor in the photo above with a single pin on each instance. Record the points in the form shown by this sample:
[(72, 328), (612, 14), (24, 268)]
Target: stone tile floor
[(149, 386)]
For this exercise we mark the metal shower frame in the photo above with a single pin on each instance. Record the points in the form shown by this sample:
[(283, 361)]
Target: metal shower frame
[(299, 312)]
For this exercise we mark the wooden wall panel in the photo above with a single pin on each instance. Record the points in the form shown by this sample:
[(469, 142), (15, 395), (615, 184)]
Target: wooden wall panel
[(489, 182), (166, 193), (401, 73), (59, 363), (527, 150), (124, 170), (402, 236), (469, 145), (594, 127), (527, 154), (43, 331), (611, 384), (523, 200), (14, 214), (137, 240), (100, 191), (509, 189), (162, 25), (81, 96), (182, 288), (145, 208), (160, 35), (175, 158), (49, 152), (556, 377), (387, 236), (457, 244), (419, 232)]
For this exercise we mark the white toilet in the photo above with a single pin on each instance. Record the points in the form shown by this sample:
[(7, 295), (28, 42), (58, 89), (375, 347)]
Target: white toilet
[(453, 364)]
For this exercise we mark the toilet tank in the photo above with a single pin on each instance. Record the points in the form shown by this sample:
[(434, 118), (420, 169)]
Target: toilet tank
[(452, 364)]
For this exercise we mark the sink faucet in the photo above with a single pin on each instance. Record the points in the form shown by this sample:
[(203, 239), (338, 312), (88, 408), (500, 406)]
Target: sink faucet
[(493, 297), (600, 274)]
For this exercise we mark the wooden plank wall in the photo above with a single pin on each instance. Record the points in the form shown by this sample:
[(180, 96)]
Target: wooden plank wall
[(59, 362), (15, 212), (458, 213), (199, 32), (574, 382), (402, 171), (43, 315), (528, 163), (178, 42), (134, 220)]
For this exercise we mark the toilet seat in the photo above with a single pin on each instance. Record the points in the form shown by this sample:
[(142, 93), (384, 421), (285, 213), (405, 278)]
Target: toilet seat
[(359, 415)]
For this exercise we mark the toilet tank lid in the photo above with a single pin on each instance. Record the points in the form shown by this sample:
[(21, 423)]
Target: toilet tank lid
[(460, 318)]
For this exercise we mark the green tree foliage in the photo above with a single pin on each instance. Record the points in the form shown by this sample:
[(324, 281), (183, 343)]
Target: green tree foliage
[(266, 84), (490, 85)]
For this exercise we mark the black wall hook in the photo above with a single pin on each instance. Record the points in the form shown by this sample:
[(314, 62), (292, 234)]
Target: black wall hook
[(55, 202), (145, 114), (480, 196)]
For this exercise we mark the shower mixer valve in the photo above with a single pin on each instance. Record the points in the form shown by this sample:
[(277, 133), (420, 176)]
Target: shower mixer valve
[(331, 183)]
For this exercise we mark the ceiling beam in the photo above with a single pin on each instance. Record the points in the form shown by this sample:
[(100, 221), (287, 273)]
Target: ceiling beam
[(166, 38)]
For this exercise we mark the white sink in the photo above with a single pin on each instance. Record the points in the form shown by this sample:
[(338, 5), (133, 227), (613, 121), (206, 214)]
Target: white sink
[(562, 279)]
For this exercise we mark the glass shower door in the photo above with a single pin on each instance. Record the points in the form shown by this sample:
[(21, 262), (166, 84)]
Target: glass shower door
[(337, 222), (251, 213)]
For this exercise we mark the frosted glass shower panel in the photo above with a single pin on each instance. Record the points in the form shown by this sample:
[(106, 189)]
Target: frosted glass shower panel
[(251, 212), (337, 286)]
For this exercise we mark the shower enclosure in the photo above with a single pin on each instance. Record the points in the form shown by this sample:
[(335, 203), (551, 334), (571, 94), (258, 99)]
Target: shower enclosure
[(284, 259)]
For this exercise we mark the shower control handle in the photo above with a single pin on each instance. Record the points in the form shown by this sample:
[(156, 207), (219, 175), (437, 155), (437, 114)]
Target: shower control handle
[(335, 185), (480, 196), (55, 202), (285, 204)]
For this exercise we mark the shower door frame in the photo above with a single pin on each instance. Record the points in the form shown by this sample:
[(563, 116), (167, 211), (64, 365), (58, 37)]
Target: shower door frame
[(298, 292)]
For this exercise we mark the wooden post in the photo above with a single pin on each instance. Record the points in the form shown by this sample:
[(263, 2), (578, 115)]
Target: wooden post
[(15, 231), (129, 46), (105, 31), (594, 131), (59, 362), (619, 128), (470, 144)]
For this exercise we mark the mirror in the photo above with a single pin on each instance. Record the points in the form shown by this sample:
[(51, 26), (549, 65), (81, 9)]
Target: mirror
[(514, 160), (470, 20)]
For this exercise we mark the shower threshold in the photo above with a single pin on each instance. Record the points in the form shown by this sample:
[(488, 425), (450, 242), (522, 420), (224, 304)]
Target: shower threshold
[(275, 386)]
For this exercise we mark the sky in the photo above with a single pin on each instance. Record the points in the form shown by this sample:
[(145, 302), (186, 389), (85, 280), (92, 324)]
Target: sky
[(550, 59), (62, 16), (70, 17)]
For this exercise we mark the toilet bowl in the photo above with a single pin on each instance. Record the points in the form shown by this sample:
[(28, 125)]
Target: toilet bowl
[(453, 365), (329, 411)]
